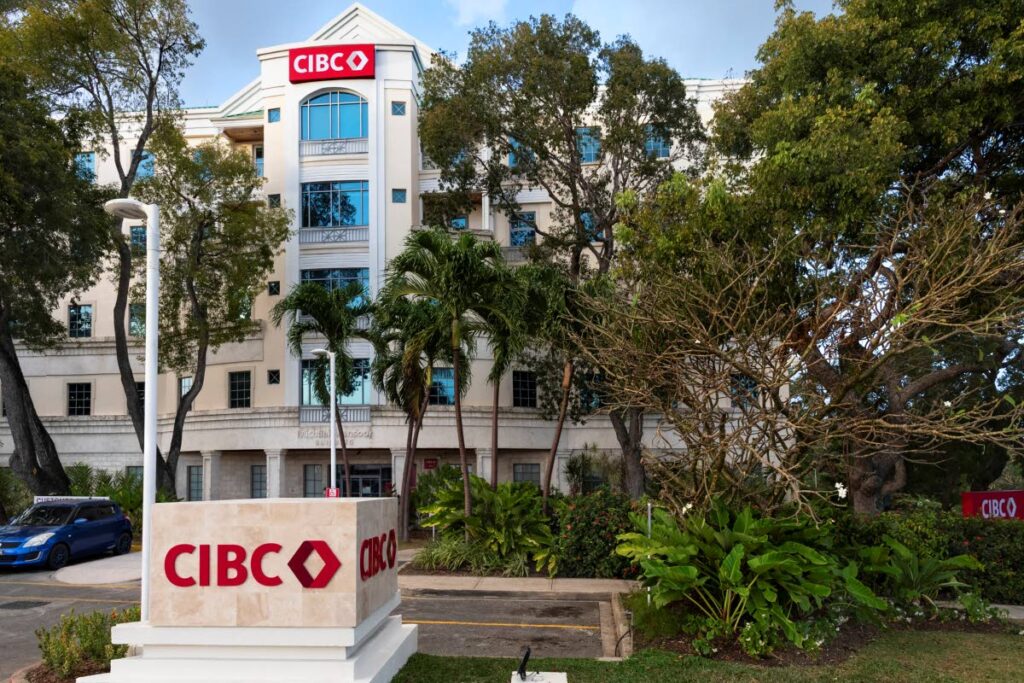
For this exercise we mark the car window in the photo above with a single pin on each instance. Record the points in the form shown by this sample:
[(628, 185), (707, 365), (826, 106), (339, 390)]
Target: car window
[(105, 511), (90, 513), (44, 515)]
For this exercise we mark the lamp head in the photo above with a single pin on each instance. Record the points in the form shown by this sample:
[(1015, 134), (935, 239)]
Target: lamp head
[(131, 209)]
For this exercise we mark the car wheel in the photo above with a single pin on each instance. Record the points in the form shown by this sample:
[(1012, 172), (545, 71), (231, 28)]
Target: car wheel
[(59, 556), (124, 544)]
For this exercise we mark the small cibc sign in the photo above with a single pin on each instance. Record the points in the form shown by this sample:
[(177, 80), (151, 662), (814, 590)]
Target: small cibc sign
[(331, 62), (993, 504)]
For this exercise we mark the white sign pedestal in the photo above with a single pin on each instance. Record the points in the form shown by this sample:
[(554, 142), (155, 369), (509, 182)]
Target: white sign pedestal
[(268, 591), (541, 677)]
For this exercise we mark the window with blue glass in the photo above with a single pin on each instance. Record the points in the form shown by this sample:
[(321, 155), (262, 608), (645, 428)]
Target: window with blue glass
[(442, 387), (459, 223), (137, 320), (590, 226), (79, 321), (398, 108), (146, 166), (138, 236), (334, 115), (398, 196), (657, 146), (337, 203), (333, 278), (273, 115), (360, 394), (522, 229), (588, 143), (85, 164), (257, 158), (518, 153)]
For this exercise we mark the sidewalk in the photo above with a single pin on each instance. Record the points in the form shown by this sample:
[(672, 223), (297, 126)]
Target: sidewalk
[(500, 584), (116, 569)]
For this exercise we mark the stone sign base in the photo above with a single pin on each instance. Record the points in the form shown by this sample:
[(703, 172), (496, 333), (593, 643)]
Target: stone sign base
[(373, 652)]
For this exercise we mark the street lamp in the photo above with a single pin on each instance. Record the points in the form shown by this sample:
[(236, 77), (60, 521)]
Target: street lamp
[(330, 418), (132, 209)]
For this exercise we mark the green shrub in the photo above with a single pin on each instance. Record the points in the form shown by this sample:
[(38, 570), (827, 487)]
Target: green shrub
[(14, 496), (588, 530), (80, 640), (506, 522), (121, 487), (430, 482), (756, 580)]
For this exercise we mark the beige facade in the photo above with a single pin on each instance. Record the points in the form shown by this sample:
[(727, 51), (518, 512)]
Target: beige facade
[(274, 445)]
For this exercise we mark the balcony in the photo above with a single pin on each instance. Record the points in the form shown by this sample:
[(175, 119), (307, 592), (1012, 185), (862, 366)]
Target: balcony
[(321, 414), (338, 235), (319, 148), (362, 322), (515, 254)]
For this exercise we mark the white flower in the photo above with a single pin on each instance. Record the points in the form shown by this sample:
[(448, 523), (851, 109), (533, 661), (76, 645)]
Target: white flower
[(988, 195), (840, 490), (687, 508), (947, 404), (1002, 212)]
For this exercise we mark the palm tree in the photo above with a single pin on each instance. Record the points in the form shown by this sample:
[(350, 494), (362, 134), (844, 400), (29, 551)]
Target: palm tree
[(335, 315), (467, 282)]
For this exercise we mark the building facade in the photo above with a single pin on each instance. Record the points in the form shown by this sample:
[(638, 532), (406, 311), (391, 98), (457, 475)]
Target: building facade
[(331, 124)]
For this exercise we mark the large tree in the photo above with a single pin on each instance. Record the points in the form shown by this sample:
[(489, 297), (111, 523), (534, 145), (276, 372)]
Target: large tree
[(546, 104), (53, 234), (219, 240), (117, 64)]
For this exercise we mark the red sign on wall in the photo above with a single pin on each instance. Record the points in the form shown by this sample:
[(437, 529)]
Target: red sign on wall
[(430, 463), (331, 62), (993, 504)]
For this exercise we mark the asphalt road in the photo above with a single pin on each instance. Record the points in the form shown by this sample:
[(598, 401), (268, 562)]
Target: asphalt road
[(33, 599), (450, 623)]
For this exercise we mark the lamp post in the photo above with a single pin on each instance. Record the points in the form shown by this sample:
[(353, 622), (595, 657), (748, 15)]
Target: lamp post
[(330, 418), (132, 209)]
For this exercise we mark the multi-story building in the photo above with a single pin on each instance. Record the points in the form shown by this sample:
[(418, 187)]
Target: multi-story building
[(333, 117)]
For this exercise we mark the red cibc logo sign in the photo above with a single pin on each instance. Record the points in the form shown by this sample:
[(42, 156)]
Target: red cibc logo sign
[(331, 62), (993, 504), (376, 554)]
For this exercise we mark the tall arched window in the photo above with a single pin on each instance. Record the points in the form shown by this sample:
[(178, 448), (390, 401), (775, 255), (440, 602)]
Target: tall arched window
[(334, 115)]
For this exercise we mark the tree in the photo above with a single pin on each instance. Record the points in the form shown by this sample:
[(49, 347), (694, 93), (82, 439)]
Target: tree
[(468, 283), (337, 315), (52, 239), (408, 343), (110, 61), (847, 118), (218, 241), (550, 97)]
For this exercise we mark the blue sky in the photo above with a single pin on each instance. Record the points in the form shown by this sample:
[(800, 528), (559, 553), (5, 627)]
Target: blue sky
[(700, 38)]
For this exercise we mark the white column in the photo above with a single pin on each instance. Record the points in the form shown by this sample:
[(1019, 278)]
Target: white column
[(561, 462), (485, 212), (275, 472), (211, 475), (484, 462), (398, 456)]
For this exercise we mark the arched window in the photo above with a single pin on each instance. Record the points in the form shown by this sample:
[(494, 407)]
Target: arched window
[(334, 115)]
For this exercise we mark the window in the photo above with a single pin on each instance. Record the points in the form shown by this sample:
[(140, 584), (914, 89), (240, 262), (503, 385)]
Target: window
[(245, 307), (312, 481), (274, 288), (146, 166), (258, 481), (334, 115), (526, 471), (194, 473), (308, 390), (273, 376), (85, 165), (459, 223), (360, 394), (442, 387), (518, 153), (240, 389), (336, 203), (588, 143), (332, 278), (80, 321), (79, 398), (522, 229), (257, 159), (274, 201), (398, 108), (137, 320), (398, 196), (524, 389), (742, 391), (138, 236), (135, 472), (590, 226), (184, 386), (657, 146), (273, 115), (140, 393)]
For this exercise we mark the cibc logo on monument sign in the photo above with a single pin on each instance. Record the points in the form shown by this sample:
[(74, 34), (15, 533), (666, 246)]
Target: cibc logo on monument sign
[(993, 504)]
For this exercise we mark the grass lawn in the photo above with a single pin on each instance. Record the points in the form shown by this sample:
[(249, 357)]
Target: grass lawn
[(895, 657)]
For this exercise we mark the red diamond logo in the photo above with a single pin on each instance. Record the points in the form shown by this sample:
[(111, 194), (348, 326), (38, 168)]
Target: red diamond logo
[(298, 564)]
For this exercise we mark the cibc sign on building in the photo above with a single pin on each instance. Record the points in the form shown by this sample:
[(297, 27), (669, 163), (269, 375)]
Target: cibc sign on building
[(993, 504), (331, 62), (271, 590)]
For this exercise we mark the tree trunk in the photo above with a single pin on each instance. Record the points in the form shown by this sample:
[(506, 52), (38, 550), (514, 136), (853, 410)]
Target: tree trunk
[(563, 408), (410, 458), (34, 460), (344, 452), (169, 465), (629, 431), (494, 436), (873, 478), (467, 501), (403, 499)]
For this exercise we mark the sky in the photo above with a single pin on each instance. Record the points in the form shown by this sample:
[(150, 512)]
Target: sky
[(699, 38)]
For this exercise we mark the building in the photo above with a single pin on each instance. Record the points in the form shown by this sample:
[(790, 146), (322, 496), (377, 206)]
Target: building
[(338, 122)]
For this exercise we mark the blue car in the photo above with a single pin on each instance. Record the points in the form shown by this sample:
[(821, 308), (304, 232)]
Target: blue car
[(52, 533)]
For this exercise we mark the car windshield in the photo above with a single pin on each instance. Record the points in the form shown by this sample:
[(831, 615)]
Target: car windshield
[(43, 515)]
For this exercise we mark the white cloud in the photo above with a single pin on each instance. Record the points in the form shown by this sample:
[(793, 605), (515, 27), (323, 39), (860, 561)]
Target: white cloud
[(476, 12)]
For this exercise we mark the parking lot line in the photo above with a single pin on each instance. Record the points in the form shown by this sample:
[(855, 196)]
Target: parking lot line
[(51, 584), (437, 622), (68, 598)]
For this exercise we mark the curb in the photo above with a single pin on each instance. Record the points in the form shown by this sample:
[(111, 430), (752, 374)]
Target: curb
[(20, 675)]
